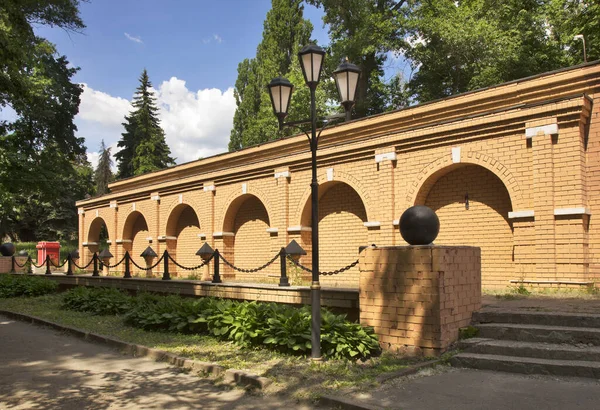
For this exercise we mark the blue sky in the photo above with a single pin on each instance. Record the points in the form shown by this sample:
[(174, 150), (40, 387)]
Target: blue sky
[(191, 49)]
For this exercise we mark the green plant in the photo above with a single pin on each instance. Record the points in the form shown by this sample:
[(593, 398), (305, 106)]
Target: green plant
[(21, 285), (98, 301), (250, 324), (467, 332), (521, 290)]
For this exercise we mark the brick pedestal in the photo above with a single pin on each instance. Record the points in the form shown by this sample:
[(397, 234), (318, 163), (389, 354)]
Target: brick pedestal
[(417, 297)]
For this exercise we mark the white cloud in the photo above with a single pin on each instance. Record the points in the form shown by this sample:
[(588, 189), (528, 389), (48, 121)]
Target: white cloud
[(217, 38), (135, 39), (196, 123), (102, 107)]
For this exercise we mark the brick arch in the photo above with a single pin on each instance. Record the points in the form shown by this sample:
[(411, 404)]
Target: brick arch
[(138, 238), (174, 213), (235, 200), (418, 190), (93, 229), (129, 221), (338, 176)]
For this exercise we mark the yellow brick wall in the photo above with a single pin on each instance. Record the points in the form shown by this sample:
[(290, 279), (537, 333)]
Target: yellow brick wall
[(542, 174), (484, 224)]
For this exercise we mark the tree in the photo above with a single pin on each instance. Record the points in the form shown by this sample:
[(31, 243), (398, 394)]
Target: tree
[(285, 32), (143, 145), (103, 174), (364, 32), (459, 46), (40, 156)]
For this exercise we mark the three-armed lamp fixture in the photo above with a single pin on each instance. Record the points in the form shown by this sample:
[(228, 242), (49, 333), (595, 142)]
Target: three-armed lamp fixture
[(280, 90)]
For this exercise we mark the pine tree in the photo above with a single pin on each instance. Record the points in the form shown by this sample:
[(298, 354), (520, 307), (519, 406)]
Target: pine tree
[(285, 32), (103, 173), (143, 145)]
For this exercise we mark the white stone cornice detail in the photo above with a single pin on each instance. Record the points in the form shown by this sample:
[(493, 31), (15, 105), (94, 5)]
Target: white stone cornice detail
[(550, 129), (80, 211), (90, 243), (165, 237), (396, 222), (97, 213), (222, 234), (133, 206), (387, 156), (244, 188), (299, 228), (521, 214), (272, 230), (283, 174), (202, 235), (180, 198), (209, 188), (372, 224), (109, 242), (113, 204), (455, 155), (155, 198), (123, 241), (329, 174), (572, 211), (149, 239)]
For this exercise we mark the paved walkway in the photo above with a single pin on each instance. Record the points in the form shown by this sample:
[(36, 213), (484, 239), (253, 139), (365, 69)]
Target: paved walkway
[(466, 389), (43, 369)]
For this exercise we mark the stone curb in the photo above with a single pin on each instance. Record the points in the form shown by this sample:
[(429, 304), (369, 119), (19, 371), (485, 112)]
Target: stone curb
[(233, 376), (408, 371)]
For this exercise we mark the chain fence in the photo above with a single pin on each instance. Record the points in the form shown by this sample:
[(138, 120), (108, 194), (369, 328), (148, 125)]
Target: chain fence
[(58, 266), (190, 268), (83, 267), (333, 272), (231, 265), (24, 263), (115, 265), (147, 268)]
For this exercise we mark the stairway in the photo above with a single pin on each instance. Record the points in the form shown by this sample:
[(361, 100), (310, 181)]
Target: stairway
[(559, 344)]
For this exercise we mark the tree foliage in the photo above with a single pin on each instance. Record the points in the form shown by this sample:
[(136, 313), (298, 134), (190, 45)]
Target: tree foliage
[(103, 174), (43, 168), (143, 145), (285, 32)]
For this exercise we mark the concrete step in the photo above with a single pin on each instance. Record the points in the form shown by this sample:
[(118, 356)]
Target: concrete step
[(526, 365), (539, 333), (553, 351), (538, 318)]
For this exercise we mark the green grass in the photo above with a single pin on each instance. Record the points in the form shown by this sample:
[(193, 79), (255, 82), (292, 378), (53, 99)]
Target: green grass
[(293, 376)]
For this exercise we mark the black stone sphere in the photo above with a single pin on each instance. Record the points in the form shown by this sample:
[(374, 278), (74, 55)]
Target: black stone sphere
[(8, 249), (419, 225)]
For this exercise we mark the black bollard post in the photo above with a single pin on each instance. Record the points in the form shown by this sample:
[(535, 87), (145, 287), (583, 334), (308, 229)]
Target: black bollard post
[(69, 265), (95, 272), (283, 280), (48, 271), (216, 275), (29, 263), (166, 275), (12, 264), (127, 271)]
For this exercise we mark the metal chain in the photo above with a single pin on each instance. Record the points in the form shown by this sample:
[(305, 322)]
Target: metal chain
[(58, 266), (115, 265), (149, 267), (23, 265), (192, 268), (41, 265), (333, 272), (83, 267), (251, 270)]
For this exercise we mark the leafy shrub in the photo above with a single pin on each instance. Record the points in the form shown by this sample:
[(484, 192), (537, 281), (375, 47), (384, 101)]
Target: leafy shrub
[(280, 327), (98, 301), (21, 285)]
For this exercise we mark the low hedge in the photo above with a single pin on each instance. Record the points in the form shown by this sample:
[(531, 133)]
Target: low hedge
[(21, 285), (280, 327)]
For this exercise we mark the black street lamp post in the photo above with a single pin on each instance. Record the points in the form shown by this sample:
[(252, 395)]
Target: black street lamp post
[(280, 90)]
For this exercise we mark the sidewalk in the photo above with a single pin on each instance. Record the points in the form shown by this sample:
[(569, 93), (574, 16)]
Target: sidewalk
[(44, 369)]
